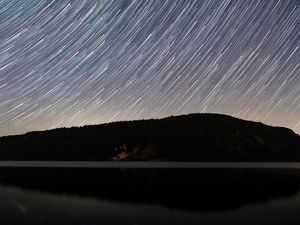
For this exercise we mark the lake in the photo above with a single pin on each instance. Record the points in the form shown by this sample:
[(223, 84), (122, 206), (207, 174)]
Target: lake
[(149, 193)]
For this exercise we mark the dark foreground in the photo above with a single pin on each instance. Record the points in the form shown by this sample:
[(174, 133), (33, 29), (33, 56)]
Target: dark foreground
[(149, 196)]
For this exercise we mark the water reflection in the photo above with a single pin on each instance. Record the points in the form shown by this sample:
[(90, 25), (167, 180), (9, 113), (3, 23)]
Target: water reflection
[(27, 207), (89, 196)]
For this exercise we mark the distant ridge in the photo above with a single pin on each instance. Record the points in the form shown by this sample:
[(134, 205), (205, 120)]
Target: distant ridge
[(193, 137)]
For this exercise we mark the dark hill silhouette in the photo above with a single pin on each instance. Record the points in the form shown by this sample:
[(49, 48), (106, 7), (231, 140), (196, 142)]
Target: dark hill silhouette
[(194, 137)]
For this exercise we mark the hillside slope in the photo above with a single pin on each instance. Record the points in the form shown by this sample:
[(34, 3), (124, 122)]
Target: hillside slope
[(194, 137)]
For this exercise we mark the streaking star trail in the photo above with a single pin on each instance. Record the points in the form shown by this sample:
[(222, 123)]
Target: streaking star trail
[(72, 63)]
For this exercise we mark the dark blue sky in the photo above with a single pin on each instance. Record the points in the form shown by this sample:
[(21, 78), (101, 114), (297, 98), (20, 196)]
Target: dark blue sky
[(71, 63)]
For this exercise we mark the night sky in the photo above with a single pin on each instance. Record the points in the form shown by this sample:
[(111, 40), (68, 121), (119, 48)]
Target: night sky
[(72, 63)]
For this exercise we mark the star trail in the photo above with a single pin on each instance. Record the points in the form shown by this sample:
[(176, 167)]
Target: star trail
[(72, 63)]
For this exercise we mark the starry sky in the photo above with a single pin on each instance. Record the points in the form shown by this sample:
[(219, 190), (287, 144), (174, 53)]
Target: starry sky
[(72, 63)]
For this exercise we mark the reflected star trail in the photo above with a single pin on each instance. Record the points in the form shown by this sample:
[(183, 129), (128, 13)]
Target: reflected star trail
[(71, 63)]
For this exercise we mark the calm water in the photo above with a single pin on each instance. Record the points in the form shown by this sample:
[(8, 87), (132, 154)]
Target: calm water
[(154, 164), (153, 193)]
